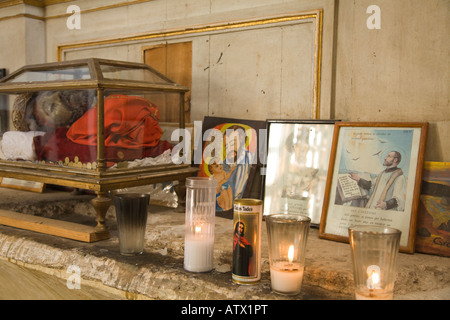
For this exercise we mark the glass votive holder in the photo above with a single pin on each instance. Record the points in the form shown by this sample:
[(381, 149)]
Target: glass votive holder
[(199, 224), (131, 215), (287, 237), (374, 255)]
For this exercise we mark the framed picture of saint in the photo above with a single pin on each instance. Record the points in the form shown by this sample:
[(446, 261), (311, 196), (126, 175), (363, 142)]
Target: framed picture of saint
[(374, 178)]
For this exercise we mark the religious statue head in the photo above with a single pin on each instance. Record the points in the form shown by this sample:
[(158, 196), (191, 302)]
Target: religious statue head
[(47, 110)]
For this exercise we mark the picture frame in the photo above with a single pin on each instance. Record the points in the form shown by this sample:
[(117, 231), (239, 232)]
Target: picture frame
[(386, 157), (295, 173), (433, 224), (241, 174)]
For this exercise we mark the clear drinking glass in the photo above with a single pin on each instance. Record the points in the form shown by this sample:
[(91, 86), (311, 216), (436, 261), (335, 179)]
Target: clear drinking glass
[(131, 213), (374, 254), (199, 226), (287, 237)]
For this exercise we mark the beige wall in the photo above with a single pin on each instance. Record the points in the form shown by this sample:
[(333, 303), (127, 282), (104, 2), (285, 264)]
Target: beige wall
[(397, 73), (264, 72), (23, 39)]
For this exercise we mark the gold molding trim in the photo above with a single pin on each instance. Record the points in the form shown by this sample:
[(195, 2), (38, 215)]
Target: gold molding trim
[(317, 15), (318, 65)]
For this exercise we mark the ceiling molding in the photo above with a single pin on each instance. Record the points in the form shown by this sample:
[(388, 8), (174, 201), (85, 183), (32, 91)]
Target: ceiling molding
[(35, 3)]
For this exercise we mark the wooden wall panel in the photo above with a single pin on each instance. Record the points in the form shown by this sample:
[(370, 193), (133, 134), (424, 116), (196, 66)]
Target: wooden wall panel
[(175, 61)]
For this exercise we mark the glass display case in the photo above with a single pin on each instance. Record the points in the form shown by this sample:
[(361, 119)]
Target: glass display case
[(89, 124)]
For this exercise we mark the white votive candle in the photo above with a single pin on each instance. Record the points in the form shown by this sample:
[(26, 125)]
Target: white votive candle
[(198, 253), (372, 289), (286, 277)]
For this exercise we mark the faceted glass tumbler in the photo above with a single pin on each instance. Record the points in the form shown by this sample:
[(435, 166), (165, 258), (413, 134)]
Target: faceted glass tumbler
[(131, 214), (199, 224), (287, 237), (374, 254)]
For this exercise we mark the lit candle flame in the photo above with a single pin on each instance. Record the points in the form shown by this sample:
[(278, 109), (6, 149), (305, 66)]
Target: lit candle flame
[(373, 281), (198, 229), (291, 253)]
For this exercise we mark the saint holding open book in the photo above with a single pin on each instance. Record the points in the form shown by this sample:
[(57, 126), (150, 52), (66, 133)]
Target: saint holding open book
[(386, 191)]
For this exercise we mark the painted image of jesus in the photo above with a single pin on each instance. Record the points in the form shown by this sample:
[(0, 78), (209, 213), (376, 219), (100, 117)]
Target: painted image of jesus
[(230, 162), (242, 251)]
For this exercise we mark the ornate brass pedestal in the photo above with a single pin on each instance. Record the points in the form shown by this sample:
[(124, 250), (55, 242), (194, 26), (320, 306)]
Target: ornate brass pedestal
[(101, 205)]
